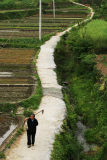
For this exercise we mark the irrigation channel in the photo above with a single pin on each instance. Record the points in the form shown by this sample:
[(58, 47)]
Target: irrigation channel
[(7, 125), (52, 102)]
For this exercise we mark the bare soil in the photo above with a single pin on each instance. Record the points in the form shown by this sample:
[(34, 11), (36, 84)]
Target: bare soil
[(16, 56), (16, 74), (102, 64), (14, 29)]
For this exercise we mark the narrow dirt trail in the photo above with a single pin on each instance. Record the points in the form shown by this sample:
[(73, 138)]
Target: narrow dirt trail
[(53, 104)]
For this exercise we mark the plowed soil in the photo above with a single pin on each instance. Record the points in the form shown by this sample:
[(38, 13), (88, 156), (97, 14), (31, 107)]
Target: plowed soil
[(29, 26), (16, 74)]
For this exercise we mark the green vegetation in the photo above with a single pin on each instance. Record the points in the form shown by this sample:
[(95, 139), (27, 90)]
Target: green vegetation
[(12, 14), (24, 42), (7, 108), (100, 7), (22, 8), (96, 31), (92, 2), (11, 4), (27, 113), (21, 4), (85, 95), (18, 133), (2, 155)]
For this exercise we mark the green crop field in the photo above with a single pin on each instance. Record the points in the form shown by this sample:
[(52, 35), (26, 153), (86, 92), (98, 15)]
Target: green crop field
[(18, 4), (10, 4)]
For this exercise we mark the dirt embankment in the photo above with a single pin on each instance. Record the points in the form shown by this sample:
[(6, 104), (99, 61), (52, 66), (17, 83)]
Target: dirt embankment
[(102, 64), (5, 123)]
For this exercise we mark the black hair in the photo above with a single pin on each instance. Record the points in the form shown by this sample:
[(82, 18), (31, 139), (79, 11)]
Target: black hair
[(33, 114)]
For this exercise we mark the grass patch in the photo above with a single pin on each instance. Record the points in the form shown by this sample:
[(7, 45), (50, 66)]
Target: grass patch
[(11, 4), (24, 42), (97, 31), (12, 14)]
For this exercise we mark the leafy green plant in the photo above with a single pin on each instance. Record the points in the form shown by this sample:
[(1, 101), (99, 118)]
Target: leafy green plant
[(27, 113), (2, 155)]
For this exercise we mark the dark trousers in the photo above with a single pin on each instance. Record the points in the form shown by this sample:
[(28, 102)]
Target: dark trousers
[(30, 138)]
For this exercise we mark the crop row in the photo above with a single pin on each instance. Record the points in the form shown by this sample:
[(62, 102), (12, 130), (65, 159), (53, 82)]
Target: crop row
[(14, 55), (21, 83)]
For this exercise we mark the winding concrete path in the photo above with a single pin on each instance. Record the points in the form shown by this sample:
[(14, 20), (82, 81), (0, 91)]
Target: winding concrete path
[(52, 102)]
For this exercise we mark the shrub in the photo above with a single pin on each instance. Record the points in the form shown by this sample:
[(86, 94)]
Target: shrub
[(103, 154), (75, 57), (2, 155), (27, 113)]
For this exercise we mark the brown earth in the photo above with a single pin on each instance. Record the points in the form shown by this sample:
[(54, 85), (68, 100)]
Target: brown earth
[(20, 83), (16, 56), (102, 64)]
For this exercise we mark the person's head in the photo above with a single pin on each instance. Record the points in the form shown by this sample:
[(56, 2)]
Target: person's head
[(32, 116)]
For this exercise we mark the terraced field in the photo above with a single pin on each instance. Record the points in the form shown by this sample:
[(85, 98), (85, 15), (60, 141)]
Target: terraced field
[(16, 74), (28, 27), (16, 69)]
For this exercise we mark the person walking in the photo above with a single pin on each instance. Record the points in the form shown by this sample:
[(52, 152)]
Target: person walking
[(32, 123)]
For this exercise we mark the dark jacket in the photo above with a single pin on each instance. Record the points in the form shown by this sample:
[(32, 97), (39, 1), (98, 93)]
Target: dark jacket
[(32, 125)]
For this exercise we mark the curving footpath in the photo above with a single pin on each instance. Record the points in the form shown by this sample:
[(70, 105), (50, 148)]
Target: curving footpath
[(52, 102)]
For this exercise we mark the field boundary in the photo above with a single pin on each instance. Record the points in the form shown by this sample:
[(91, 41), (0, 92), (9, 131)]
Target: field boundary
[(13, 14)]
